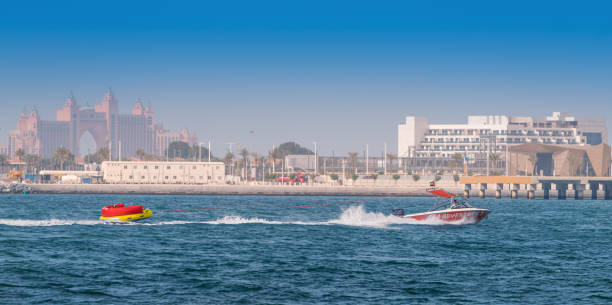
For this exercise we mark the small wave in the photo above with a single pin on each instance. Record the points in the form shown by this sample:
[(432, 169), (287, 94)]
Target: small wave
[(47, 222), (226, 220)]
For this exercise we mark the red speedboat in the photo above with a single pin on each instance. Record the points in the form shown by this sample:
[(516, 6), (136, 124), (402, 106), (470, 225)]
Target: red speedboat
[(449, 208)]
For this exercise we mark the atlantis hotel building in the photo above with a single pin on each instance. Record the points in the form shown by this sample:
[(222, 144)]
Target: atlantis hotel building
[(123, 134), (418, 139)]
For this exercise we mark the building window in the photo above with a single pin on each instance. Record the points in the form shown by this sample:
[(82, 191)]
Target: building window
[(166, 177), (173, 177), (156, 167), (194, 167), (142, 177), (131, 177), (201, 177), (168, 167), (145, 167), (125, 167)]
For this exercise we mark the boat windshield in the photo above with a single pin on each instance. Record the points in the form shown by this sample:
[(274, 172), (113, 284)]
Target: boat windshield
[(451, 203), (445, 200)]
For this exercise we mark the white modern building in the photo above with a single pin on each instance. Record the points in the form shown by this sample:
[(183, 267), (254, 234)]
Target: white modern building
[(158, 172), (417, 138)]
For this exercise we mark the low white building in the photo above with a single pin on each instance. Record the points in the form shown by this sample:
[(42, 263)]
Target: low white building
[(418, 138), (300, 162), (159, 172)]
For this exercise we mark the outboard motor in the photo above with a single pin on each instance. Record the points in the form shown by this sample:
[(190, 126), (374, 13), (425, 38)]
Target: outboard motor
[(398, 212)]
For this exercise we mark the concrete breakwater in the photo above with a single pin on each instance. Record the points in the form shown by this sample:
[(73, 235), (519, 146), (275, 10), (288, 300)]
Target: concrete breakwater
[(272, 190), (185, 189)]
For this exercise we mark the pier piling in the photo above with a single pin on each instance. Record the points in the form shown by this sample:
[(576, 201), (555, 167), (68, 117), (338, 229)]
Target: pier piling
[(546, 190), (561, 191), (498, 190), (594, 188), (483, 190), (514, 191), (466, 190), (531, 191), (608, 191), (579, 191)]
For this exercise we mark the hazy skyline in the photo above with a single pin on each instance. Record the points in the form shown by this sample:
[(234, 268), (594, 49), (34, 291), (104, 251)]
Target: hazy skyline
[(342, 74)]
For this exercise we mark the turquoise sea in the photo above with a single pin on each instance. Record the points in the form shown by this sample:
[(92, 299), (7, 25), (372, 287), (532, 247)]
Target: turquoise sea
[(54, 250)]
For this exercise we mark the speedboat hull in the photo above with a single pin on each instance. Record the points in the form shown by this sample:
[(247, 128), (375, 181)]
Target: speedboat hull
[(146, 213), (468, 215)]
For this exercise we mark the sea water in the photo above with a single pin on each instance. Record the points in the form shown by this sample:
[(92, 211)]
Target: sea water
[(54, 250)]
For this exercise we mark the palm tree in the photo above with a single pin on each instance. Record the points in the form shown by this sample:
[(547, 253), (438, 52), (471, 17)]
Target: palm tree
[(229, 160), (255, 162), (353, 159), (31, 161), (391, 157), (244, 153), (103, 154), (274, 155), (20, 153), (140, 153), (457, 158), (262, 160), (3, 162), (62, 155), (494, 157)]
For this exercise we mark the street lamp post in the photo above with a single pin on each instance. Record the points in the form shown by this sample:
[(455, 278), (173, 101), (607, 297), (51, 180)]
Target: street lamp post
[(385, 158), (316, 161), (367, 160)]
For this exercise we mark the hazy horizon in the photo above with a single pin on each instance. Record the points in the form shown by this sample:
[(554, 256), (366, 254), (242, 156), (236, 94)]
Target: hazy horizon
[(343, 74)]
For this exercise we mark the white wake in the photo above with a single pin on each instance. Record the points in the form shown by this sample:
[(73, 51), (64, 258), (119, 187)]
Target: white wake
[(353, 216), (46, 222)]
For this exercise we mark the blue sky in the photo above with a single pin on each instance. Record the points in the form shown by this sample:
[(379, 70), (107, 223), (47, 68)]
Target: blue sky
[(343, 74)]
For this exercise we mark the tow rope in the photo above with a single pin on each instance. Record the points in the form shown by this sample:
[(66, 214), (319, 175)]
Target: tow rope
[(288, 207)]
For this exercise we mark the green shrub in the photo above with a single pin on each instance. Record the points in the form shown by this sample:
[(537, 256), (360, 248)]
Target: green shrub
[(456, 178)]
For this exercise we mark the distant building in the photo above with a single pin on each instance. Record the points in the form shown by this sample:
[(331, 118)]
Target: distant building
[(163, 138), (123, 134), (300, 162), (4, 150), (157, 172), (559, 160), (419, 139)]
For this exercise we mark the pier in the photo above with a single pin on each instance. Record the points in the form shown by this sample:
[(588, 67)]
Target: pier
[(543, 185)]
